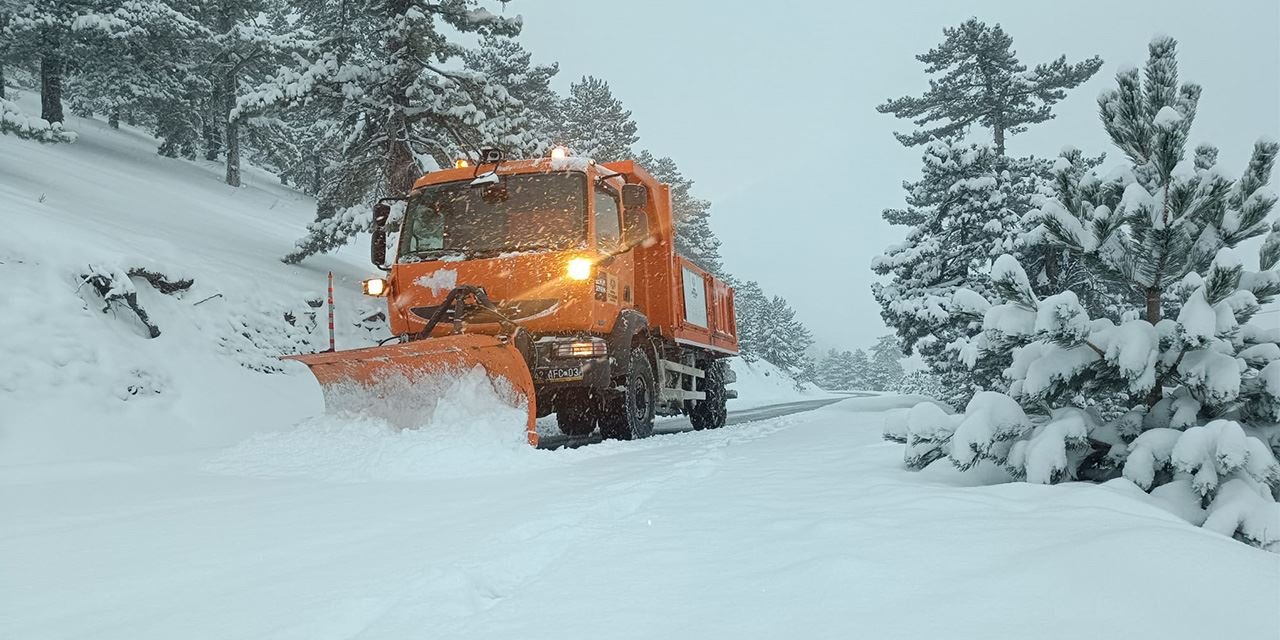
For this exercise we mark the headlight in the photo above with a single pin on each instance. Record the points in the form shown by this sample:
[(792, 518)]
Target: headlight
[(580, 349), (376, 287), (579, 269)]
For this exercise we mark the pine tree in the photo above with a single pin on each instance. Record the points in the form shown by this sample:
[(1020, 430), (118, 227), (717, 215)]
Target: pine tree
[(958, 222), (843, 370), (859, 370), (828, 372), (532, 118), (693, 235), (885, 370), (378, 73), (1180, 390), (749, 303), (980, 81), (143, 62), (920, 383), (594, 123), (782, 340), (244, 44)]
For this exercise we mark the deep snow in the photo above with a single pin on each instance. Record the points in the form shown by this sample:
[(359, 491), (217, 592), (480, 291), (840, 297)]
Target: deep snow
[(165, 488)]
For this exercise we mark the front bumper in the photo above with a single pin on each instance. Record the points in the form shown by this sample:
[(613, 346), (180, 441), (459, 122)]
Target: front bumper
[(551, 371)]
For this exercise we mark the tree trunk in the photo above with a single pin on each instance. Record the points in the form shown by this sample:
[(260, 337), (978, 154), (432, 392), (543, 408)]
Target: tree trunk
[(400, 167), (998, 131), (1153, 305), (224, 100), (51, 86), (113, 120), (231, 88), (2, 80)]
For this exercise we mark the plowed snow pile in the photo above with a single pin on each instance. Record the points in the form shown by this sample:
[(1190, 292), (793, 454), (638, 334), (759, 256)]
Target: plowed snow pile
[(469, 431)]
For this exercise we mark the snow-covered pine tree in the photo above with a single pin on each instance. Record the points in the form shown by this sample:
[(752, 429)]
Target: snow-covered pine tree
[(693, 234), (594, 124), (1196, 376), (247, 41), (958, 222), (42, 31), (978, 80), (749, 303), (829, 370), (533, 118), (885, 370), (920, 382), (783, 340), (859, 370), (842, 370), (6, 46), (380, 72), (142, 61)]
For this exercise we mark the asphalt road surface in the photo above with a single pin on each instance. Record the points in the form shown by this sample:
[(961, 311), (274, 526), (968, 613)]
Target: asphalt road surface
[(679, 425)]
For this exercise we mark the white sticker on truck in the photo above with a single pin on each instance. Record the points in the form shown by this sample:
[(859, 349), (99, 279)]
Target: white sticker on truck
[(695, 298)]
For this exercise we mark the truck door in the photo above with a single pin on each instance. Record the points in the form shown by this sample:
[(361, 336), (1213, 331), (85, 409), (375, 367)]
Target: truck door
[(614, 279)]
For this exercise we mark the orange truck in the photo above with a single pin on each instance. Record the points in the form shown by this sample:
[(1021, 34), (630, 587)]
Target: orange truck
[(559, 278)]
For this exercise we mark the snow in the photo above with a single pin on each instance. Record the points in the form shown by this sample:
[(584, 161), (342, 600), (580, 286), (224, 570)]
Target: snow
[(1197, 319), (969, 301), (990, 420), (167, 488), (1062, 316), (1133, 348), (1010, 319), (1167, 118), (440, 281), (760, 383)]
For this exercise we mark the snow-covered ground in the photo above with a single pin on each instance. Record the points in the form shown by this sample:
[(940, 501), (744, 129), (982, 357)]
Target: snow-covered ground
[(164, 488), (804, 526)]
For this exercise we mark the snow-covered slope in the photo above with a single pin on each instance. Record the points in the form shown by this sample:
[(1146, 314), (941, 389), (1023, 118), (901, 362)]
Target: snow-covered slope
[(760, 383), (164, 488), (78, 383)]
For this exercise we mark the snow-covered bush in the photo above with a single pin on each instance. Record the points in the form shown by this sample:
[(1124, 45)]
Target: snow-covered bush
[(260, 332), (1182, 386), (13, 121), (921, 383)]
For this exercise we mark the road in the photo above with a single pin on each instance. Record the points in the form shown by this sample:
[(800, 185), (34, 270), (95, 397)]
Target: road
[(681, 424)]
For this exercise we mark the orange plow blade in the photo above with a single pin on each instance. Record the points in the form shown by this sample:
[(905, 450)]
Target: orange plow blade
[(375, 379)]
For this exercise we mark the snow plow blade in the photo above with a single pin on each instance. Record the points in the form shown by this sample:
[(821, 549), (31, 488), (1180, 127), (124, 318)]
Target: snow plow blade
[(376, 379)]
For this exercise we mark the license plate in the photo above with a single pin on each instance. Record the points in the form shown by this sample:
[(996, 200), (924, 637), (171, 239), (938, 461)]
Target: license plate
[(557, 374)]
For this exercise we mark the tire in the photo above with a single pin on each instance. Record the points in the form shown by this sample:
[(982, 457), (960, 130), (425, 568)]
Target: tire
[(628, 415), (712, 412), (575, 412)]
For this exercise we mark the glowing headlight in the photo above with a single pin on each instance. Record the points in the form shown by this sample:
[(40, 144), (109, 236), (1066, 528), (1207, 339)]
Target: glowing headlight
[(559, 152), (579, 269), (376, 287)]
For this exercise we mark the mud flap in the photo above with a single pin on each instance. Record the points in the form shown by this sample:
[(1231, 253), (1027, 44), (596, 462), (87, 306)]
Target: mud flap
[(371, 379)]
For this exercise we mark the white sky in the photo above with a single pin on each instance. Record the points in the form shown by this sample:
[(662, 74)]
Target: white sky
[(771, 110)]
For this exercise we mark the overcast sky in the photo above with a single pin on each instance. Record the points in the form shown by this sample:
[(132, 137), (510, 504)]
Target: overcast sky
[(771, 110)]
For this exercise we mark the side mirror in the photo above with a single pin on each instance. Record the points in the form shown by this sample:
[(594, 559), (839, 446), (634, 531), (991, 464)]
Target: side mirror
[(635, 226), (378, 248), (634, 196)]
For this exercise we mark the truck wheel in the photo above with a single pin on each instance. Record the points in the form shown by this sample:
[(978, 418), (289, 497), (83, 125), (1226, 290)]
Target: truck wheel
[(711, 412), (575, 412), (628, 415)]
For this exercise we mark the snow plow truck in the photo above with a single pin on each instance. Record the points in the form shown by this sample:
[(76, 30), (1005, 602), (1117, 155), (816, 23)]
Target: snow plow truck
[(558, 277)]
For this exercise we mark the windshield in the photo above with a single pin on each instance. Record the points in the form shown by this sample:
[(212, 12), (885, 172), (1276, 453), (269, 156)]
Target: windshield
[(543, 211)]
